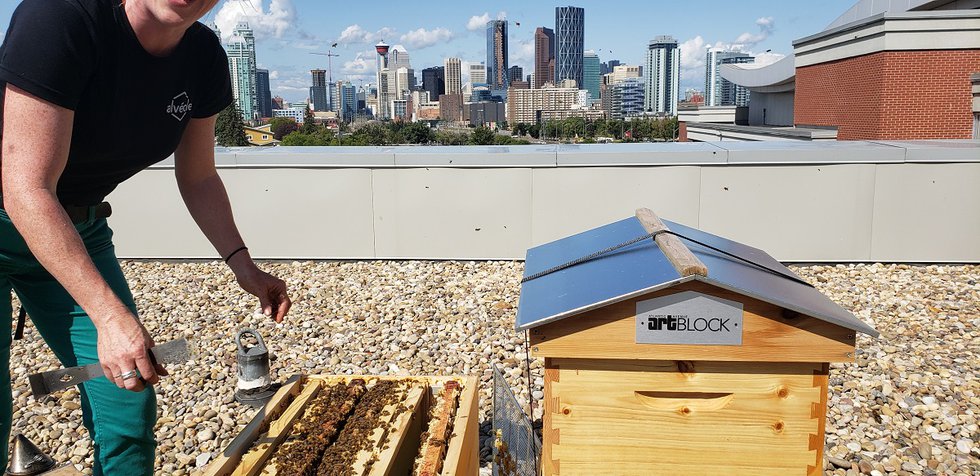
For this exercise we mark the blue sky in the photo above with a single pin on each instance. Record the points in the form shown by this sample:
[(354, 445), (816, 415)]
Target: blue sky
[(287, 31)]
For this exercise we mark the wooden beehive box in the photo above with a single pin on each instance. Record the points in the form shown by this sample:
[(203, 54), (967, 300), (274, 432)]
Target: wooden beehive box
[(426, 426), (669, 357)]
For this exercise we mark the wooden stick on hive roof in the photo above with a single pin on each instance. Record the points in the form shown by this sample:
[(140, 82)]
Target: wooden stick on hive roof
[(673, 248)]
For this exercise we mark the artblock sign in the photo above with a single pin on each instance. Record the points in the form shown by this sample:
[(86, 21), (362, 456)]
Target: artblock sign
[(689, 318)]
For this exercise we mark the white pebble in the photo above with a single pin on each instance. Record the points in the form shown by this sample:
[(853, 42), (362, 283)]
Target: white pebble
[(964, 446), (205, 435)]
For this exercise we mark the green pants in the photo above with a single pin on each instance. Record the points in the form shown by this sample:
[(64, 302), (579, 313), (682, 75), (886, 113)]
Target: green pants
[(120, 422)]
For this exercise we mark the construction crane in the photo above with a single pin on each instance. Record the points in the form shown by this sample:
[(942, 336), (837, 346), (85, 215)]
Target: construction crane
[(330, 56)]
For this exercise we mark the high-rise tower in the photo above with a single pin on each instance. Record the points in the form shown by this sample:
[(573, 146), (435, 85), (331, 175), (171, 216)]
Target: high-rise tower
[(544, 57), (346, 105), (434, 81), (719, 91), (478, 75), (626, 98), (263, 93), (454, 76), (661, 75), (591, 76), (569, 43), (498, 76), (318, 91), (516, 73), (241, 64), (384, 94), (401, 81)]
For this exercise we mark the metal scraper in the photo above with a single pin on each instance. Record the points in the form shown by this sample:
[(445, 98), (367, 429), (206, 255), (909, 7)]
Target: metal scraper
[(48, 382)]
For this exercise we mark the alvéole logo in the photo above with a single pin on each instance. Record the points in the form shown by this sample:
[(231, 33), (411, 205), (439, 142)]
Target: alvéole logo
[(179, 106)]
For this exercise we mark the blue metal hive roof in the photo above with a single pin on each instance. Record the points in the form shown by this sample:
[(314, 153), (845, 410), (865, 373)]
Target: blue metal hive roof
[(643, 268)]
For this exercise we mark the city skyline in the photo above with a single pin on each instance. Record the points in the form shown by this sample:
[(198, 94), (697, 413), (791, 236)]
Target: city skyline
[(287, 31)]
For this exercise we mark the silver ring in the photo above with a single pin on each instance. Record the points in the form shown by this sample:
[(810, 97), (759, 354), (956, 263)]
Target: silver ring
[(128, 375)]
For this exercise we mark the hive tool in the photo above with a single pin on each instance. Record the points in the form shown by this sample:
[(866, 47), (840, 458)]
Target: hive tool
[(45, 383)]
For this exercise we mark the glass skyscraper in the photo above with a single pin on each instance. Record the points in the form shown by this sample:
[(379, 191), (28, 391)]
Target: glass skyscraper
[(569, 44), (718, 91), (263, 92), (627, 98), (318, 92), (498, 74), (346, 100), (516, 73), (591, 75), (434, 81)]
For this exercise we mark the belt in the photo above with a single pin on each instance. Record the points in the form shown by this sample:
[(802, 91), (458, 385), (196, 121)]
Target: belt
[(79, 213)]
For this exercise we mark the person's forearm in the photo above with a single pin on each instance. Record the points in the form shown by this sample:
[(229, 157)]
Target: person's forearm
[(52, 238), (207, 202)]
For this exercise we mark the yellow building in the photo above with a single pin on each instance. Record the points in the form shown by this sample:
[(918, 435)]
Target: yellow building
[(261, 135)]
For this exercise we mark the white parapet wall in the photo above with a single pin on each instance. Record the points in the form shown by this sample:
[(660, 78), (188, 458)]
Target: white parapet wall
[(800, 201)]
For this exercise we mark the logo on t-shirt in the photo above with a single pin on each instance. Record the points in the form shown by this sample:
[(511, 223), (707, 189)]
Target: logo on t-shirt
[(179, 106)]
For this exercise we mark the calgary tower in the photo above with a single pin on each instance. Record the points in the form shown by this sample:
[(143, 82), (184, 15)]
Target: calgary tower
[(384, 96)]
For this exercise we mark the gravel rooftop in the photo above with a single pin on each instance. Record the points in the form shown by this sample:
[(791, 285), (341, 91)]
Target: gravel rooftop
[(908, 405)]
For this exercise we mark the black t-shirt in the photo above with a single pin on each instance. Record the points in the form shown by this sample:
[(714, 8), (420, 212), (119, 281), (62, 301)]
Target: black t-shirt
[(131, 108)]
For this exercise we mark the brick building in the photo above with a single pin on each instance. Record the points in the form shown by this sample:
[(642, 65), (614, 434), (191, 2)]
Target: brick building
[(897, 70), (451, 107), (893, 75)]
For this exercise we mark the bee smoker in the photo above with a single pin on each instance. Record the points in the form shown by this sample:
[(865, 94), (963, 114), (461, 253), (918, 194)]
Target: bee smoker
[(255, 386), (26, 459)]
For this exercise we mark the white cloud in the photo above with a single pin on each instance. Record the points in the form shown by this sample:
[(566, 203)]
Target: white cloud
[(359, 66), (423, 38), (693, 57), (354, 34), (694, 51), (747, 40), (294, 86), (478, 22), (267, 18), (363, 67), (273, 74), (285, 88), (523, 54), (764, 59)]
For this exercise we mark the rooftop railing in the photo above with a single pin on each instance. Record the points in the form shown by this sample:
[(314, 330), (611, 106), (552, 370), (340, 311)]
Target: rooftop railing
[(827, 201)]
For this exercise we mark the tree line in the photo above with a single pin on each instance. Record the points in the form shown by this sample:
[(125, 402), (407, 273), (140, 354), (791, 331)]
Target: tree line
[(577, 128), (230, 132)]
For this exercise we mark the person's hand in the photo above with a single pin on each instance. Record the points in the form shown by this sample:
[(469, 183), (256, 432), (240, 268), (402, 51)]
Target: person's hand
[(271, 291), (123, 347)]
